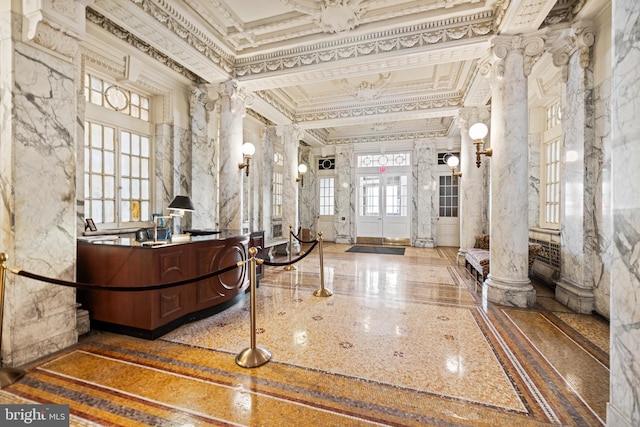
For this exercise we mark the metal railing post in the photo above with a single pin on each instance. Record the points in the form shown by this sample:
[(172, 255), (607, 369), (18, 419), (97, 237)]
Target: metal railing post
[(8, 375), (290, 267), (322, 292), (253, 356)]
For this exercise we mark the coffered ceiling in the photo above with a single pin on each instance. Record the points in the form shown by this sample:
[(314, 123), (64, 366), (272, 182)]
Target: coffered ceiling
[(343, 70)]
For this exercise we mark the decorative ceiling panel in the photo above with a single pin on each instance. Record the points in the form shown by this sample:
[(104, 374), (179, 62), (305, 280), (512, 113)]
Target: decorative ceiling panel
[(345, 70)]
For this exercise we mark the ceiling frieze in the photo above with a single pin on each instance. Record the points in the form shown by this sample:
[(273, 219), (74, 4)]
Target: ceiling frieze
[(413, 106), (106, 24), (163, 13), (395, 137), (266, 97), (415, 37)]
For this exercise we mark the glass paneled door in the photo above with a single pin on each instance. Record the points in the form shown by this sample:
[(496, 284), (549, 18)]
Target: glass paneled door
[(448, 226), (383, 209)]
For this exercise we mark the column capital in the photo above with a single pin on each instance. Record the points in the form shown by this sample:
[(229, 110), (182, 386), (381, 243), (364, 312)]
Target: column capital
[(205, 95), (565, 42), (471, 115), (239, 98), (292, 130), (531, 46)]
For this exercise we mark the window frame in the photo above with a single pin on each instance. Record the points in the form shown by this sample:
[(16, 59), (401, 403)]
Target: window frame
[(552, 135), (106, 116)]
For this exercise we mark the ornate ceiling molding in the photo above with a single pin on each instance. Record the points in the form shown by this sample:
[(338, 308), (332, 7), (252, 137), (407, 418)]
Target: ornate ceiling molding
[(395, 137), (99, 20), (165, 14), (332, 16), (416, 37), (401, 106)]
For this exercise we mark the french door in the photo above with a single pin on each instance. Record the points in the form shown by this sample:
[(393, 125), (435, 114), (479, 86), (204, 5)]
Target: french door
[(448, 224), (383, 209)]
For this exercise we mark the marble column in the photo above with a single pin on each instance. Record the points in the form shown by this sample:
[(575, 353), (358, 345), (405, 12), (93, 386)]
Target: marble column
[(39, 139), (471, 183), (508, 281), (232, 111), (308, 192), (266, 185), (623, 408), (204, 155), (575, 287), (345, 195), (262, 171), (291, 135), (425, 178)]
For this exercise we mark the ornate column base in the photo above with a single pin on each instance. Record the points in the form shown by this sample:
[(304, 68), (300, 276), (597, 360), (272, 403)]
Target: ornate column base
[(461, 254), (423, 242), (513, 293), (577, 298)]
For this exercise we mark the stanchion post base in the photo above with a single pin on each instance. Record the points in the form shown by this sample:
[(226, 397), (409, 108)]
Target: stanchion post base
[(253, 357), (322, 292), (9, 376), (290, 267)]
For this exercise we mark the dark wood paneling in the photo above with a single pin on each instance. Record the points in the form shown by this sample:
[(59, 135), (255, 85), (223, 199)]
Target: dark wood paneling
[(144, 313)]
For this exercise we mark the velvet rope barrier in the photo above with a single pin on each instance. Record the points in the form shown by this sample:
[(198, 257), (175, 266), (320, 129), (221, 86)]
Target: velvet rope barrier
[(291, 262), (88, 286)]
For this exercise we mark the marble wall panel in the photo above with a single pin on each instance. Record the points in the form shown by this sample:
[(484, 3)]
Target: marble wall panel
[(41, 141), (424, 196), (534, 179), (204, 174), (624, 402), (345, 192), (599, 248), (266, 184), (573, 176), (231, 139)]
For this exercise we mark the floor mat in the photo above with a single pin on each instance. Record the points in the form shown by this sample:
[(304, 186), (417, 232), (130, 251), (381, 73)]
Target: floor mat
[(376, 250)]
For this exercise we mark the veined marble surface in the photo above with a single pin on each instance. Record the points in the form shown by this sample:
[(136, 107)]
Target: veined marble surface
[(624, 406)]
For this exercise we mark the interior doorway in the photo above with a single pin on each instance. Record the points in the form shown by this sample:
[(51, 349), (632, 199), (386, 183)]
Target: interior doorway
[(448, 221), (383, 209)]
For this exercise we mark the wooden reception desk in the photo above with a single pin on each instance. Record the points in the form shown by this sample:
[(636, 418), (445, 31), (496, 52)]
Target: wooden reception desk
[(123, 262)]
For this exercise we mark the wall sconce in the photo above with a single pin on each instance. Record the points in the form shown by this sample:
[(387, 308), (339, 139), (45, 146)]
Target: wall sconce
[(247, 151), (477, 132), (302, 169), (453, 161)]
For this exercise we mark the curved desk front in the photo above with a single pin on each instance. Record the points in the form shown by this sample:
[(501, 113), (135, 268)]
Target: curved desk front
[(123, 262)]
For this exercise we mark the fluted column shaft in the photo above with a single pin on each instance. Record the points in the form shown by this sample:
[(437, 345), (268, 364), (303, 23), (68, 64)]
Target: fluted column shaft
[(508, 282)]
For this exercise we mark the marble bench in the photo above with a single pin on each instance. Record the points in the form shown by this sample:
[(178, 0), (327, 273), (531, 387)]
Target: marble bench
[(276, 247), (477, 259)]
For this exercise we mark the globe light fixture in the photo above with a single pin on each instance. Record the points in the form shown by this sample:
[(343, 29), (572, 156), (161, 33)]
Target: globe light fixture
[(478, 132)]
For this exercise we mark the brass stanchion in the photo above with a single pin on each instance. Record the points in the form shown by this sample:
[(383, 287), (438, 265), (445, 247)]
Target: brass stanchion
[(253, 356), (322, 292), (301, 252), (8, 375), (290, 267)]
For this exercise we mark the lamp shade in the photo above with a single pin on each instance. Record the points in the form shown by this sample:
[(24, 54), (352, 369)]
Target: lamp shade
[(182, 203), (453, 161), (302, 168), (248, 149), (478, 131)]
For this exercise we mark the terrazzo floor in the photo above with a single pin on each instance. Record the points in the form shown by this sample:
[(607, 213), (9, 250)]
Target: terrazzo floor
[(403, 341)]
